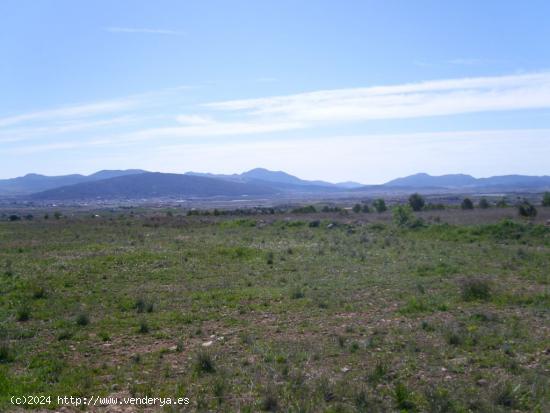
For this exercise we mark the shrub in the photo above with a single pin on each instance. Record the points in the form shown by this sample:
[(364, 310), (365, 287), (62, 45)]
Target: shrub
[(476, 289), (23, 313), (365, 209), (546, 199), (269, 401), (6, 353), (314, 224), (143, 327), (526, 209), (439, 400), (297, 293), (65, 335), (57, 215), (455, 338), (403, 397), (269, 258), (14, 217), (508, 396), (39, 292), (82, 319), (483, 203), (416, 202), (404, 218), (467, 204), (356, 208), (204, 363), (379, 205), (142, 305), (304, 210)]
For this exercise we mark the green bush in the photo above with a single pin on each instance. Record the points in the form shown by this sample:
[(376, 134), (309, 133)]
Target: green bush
[(467, 204), (546, 199), (416, 202), (204, 362), (475, 289), (483, 203), (379, 205), (526, 209), (404, 218), (82, 319), (6, 353)]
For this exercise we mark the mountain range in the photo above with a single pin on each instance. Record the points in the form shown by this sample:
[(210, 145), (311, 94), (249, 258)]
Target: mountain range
[(137, 184)]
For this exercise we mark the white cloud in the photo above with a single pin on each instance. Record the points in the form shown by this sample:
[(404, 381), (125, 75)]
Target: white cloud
[(413, 100), (143, 31), (71, 112)]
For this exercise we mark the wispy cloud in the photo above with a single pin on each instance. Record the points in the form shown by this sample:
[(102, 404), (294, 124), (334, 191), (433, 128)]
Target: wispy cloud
[(72, 112), (414, 100), (143, 31), (157, 116)]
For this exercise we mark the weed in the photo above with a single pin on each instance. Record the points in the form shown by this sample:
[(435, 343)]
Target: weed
[(475, 289), (204, 362), (404, 398), (6, 353), (297, 293), (269, 402), (82, 319), (143, 327), (23, 313)]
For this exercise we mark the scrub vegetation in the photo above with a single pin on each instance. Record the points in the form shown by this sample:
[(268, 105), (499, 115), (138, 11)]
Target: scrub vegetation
[(438, 311)]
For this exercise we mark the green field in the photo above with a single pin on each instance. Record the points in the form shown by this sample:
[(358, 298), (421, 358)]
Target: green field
[(296, 312)]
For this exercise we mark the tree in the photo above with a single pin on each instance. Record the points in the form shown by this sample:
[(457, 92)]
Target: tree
[(526, 209), (379, 205), (366, 208), (483, 203), (416, 202), (467, 204), (356, 208), (404, 218), (546, 199)]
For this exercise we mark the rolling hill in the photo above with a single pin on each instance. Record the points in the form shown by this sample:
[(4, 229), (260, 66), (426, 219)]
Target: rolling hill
[(32, 183), (153, 185)]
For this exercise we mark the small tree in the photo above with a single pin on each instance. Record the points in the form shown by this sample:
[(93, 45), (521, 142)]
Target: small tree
[(526, 209), (416, 202), (546, 199), (483, 203), (366, 209), (467, 204), (379, 205), (356, 208), (402, 215), (404, 218)]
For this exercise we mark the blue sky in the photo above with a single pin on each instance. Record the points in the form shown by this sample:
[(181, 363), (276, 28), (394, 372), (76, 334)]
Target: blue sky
[(358, 90)]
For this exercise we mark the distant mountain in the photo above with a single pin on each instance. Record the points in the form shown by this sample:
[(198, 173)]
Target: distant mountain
[(139, 184), (461, 181), (423, 180), (32, 183), (150, 185), (279, 178), (349, 185)]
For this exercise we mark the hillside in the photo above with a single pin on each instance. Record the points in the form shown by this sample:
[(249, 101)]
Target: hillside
[(423, 180), (32, 183), (153, 185)]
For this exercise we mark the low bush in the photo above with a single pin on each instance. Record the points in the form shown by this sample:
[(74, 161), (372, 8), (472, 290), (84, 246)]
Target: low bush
[(475, 289)]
